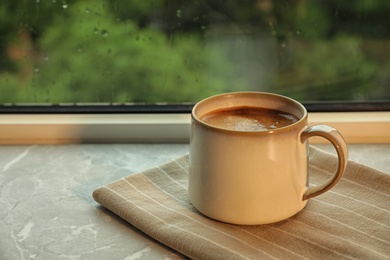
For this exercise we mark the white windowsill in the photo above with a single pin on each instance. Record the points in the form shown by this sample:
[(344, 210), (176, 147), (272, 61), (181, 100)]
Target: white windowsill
[(356, 127)]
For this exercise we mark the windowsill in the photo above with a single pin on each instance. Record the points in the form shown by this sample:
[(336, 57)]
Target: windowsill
[(356, 127), (48, 209)]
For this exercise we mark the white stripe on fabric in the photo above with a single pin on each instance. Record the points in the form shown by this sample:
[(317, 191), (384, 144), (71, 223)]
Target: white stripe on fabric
[(175, 181), (263, 239), (360, 201), (353, 182), (181, 166), (348, 226), (164, 191), (341, 238), (351, 211), (312, 242)]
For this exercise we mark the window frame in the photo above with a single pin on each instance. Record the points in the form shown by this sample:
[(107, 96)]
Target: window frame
[(359, 122), (163, 108)]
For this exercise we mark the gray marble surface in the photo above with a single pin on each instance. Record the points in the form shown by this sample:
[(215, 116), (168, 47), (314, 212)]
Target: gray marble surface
[(46, 208)]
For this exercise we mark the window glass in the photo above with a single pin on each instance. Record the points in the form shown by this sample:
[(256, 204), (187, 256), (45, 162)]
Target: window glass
[(175, 51)]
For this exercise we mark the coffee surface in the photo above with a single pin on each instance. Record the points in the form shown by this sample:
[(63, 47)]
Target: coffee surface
[(249, 119)]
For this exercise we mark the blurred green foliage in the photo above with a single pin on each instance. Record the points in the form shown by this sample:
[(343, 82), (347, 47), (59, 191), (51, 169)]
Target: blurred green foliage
[(182, 51), (105, 60)]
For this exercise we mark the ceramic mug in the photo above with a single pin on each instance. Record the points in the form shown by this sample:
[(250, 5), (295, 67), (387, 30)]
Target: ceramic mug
[(255, 177)]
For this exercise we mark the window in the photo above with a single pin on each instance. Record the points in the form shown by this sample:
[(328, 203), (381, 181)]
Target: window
[(66, 52), (161, 56)]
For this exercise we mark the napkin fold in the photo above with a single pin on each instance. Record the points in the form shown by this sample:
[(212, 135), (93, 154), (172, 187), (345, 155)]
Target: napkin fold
[(352, 220)]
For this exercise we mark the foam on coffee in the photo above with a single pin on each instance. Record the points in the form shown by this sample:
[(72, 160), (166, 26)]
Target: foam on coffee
[(249, 119)]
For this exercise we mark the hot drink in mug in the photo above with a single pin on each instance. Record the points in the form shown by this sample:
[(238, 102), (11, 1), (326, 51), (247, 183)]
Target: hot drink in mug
[(249, 118)]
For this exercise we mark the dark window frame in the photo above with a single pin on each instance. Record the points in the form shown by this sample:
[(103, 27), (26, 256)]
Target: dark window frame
[(324, 106)]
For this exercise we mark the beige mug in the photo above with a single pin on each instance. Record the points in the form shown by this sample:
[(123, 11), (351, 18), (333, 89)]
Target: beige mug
[(254, 176)]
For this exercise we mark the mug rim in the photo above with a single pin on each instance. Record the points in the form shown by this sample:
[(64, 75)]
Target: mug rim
[(260, 93)]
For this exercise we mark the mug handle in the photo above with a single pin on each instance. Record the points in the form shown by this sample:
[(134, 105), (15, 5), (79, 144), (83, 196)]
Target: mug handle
[(333, 136)]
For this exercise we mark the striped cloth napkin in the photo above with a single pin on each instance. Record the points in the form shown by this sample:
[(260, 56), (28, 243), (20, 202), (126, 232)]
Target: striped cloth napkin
[(350, 221)]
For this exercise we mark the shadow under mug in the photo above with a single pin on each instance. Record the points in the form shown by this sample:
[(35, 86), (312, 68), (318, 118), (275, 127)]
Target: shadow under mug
[(258, 177)]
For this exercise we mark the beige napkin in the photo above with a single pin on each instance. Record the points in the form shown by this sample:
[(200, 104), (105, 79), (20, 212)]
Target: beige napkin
[(352, 220)]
